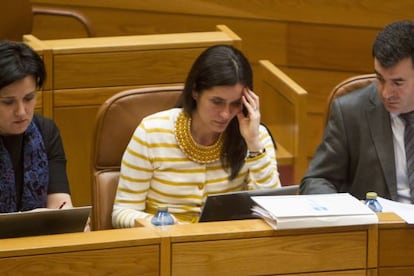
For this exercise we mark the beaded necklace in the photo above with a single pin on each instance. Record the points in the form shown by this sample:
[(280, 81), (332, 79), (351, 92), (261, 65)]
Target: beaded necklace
[(194, 151)]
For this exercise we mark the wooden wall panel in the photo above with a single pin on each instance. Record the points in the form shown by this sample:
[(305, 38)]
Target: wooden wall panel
[(77, 127), (53, 24), (283, 110), (330, 47), (338, 12), (126, 68), (400, 271), (39, 102), (280, 113), (85, 96), (319, 84)]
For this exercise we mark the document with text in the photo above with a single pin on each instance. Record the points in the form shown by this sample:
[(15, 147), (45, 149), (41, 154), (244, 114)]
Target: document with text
[(305, 211)]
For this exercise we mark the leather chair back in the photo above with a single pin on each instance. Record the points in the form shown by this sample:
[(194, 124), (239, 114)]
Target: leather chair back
[(117, 119), (347, 86)]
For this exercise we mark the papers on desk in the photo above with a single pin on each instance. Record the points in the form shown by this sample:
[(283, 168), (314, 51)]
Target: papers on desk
[(304, 211), (403, 210)]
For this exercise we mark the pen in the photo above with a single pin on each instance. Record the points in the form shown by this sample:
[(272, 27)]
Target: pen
[(61, 205)]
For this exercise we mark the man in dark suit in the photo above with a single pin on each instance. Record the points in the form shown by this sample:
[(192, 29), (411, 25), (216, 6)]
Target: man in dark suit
[(363, 145)]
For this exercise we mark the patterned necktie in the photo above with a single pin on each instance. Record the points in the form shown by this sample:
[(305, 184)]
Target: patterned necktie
[(409, 149)]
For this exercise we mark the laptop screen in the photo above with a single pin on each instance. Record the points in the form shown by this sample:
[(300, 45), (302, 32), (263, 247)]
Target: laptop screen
[(238, 205), (44, 222)]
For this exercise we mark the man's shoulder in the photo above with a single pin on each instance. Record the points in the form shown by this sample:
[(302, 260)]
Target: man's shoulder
[(360, 97), (364, 92)]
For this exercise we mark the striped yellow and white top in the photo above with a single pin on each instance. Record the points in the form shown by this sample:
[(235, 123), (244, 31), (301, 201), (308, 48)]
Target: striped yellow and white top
[(155, 170)]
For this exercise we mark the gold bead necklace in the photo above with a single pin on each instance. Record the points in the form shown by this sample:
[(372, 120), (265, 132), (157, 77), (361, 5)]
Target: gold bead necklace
[(195, 152)]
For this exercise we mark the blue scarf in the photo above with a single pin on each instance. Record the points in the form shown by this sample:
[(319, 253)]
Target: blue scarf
[(35, 177)]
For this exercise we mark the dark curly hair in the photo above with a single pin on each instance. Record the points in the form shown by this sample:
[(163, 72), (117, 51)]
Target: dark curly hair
[(394, 43)]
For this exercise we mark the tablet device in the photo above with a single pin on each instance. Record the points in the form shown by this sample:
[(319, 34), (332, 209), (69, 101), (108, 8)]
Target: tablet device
[(238, 205), (43, 222)]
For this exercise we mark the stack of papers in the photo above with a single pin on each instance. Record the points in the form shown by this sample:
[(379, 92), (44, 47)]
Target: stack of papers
[(304, 211)]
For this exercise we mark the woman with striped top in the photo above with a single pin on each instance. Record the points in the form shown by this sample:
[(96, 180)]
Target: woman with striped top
[(213, 144)]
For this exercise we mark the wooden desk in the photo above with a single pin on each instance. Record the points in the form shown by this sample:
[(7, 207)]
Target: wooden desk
[(251, 247), (133, 251), (245, 247), (283, 109), (395, 246)]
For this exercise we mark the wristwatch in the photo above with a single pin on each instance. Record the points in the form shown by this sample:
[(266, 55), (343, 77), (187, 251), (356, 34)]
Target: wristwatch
[(253, 154)]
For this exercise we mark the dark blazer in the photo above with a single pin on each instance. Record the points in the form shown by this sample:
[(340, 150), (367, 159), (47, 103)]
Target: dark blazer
[(357, 153)]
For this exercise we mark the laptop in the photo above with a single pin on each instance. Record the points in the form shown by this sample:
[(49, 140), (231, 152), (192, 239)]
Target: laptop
[(45, 222), (238, 205)]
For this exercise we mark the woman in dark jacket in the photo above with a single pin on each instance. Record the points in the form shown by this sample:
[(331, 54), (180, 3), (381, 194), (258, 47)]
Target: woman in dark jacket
[(32, 159)]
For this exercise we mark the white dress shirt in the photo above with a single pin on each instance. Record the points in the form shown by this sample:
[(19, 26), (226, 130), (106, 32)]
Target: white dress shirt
[(403, 190)]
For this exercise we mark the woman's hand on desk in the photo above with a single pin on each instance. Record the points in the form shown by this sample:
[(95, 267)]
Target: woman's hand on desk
[(59, 201)]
